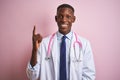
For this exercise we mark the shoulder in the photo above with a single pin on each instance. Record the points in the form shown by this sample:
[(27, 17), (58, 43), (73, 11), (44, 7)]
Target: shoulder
[(86, 46), (47, 39), (44, 43), (84, 41)]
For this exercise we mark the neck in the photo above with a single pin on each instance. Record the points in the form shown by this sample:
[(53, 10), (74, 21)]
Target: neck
[(64, 33)]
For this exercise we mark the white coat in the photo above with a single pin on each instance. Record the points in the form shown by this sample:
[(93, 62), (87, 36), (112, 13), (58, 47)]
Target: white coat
[(48, 69)]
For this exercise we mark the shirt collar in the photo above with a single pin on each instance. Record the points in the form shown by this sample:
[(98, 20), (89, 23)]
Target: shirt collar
[(69, 35)]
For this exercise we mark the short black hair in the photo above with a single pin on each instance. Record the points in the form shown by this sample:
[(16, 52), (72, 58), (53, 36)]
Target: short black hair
[(65, 6)]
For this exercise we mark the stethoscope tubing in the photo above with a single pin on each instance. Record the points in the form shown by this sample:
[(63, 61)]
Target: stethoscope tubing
[(48, 56)]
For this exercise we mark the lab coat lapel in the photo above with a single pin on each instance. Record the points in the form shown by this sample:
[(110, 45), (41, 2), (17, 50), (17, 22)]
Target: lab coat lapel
[(72, 58), (77, 49), (73, 67), (55, 56), (71, 47)]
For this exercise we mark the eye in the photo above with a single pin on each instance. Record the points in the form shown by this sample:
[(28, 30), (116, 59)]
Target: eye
[(69, 17), (60, 16)]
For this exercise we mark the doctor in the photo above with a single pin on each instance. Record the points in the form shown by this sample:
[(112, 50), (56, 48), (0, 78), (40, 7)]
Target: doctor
[(61, 58)]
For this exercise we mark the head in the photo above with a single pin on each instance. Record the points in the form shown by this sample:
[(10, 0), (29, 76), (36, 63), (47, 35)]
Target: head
[(64, 18)]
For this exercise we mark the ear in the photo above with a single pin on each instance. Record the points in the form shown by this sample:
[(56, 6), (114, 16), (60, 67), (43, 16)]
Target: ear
[(74, 18), (56, 18)]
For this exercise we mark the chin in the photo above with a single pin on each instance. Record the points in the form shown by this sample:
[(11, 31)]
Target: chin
[(64, 32)]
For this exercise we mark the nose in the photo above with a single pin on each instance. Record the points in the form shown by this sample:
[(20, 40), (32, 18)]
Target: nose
[(64, 19)]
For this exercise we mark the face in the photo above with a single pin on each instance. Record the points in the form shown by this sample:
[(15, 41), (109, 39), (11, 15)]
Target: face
[(64, 18)]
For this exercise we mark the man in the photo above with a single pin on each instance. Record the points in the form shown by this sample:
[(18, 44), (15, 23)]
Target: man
[(63, 55)]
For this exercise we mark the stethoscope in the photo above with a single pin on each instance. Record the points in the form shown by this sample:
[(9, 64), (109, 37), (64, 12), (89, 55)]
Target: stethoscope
[(76, 59)]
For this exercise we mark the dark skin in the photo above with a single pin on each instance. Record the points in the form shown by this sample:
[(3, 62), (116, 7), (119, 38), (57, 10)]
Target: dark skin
[(36, 39), (64, 18)]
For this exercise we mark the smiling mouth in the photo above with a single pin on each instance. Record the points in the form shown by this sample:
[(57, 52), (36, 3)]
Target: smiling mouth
[(64, 25)]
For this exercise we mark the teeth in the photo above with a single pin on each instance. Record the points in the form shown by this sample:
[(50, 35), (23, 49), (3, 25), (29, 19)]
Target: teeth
[(63, 25)]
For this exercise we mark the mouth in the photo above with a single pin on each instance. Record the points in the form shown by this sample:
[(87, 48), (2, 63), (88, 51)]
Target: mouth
[(64, 25), (64, 28)]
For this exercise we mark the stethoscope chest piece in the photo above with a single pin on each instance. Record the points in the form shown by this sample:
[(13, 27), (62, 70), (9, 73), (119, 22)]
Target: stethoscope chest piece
[(47, 58)]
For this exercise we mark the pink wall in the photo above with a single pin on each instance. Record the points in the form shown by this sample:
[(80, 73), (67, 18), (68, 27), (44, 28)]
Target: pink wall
[(97, 20)]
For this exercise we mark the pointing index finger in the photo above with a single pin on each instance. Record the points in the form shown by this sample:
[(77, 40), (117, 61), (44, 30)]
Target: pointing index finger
[(34, 30)]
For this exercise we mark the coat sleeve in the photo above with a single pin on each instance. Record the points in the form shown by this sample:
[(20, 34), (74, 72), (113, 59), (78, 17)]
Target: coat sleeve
[(88, 63), (33, 73)]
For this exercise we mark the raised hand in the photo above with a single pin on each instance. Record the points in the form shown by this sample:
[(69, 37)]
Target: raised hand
[(36, 38)]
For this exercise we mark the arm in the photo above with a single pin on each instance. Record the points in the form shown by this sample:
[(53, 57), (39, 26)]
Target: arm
[(88, 64), (34, 66)]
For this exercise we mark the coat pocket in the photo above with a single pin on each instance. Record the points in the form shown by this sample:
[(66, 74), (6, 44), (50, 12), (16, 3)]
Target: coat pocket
[(76, 69), (49, 66)]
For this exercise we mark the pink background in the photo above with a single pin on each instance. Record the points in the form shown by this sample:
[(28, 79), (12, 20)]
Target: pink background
[(97, 20)]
